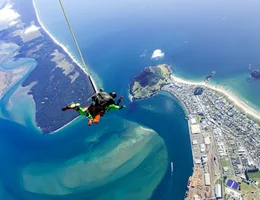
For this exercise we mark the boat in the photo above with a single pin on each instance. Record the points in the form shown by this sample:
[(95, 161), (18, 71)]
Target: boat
[(208, 77), (171, 167)]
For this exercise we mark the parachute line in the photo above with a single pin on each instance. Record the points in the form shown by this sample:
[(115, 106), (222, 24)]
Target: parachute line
[(78, 48)]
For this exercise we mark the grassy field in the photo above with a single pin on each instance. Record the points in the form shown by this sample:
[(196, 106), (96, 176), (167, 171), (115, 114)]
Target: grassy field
[(252, 196), (226, 162), (254, 176), (246, 189)]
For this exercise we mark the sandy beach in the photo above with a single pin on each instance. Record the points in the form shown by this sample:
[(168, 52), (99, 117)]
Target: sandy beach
[(146, 129), (56, 41), (70, 55), (64, 126), (64, 48), (235, 100)]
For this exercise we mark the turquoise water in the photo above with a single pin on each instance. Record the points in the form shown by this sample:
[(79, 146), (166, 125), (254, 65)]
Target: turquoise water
[(197, 37), (81, 162), (164, 115), (118, 159)]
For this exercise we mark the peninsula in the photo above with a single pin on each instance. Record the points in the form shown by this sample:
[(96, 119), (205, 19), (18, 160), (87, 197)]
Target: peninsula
[(224, 134), (55, 81)]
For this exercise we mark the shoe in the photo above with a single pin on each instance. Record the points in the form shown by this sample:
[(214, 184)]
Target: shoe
[(73, 105), (65, 108), (90, 122)]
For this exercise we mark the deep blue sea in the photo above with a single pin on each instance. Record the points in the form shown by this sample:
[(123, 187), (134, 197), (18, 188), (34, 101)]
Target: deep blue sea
[(118, 159), (197, 38)]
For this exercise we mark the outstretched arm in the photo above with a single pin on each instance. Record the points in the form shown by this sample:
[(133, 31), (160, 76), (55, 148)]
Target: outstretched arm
[(119, 100), (114, 107)]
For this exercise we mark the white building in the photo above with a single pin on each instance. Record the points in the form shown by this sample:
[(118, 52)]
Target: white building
[(218, 191), (195, 128), (202, 148), (234, 194), (207, 179), (197, 161), (193, 121), (207, 140), (194, 142), (204, 159)]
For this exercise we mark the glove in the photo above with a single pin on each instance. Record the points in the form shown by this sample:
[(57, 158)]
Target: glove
[(121, 107)]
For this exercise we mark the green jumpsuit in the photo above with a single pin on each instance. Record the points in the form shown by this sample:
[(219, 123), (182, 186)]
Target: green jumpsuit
[(82, 111)]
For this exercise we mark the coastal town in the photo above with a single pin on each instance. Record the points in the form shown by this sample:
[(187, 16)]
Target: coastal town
[(224, 137)]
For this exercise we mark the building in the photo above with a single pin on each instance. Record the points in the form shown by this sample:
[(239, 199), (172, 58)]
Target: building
[(197, 161), (207, 179), (193, 121), (218, 191), (207, 140), (195, 128), (234, 194), (202, 148), (241, 151), (194, 142)]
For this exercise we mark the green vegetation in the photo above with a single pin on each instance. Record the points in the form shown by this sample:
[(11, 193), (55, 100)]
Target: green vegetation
[(254, 175), (150, 76), (149, 81), (225, 162), (245, 188), (198, 118), (217, 181)]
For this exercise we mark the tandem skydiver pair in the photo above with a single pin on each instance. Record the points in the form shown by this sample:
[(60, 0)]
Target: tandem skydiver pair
[(102, 102)]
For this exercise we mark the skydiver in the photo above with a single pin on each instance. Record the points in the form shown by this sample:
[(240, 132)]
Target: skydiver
[(102, 102)]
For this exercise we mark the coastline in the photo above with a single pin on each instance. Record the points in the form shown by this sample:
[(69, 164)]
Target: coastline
[(146, 129), (68, 52), (234, 99), (56, 41), (73, 59), (182, 104), (222, 101), (66, 125)]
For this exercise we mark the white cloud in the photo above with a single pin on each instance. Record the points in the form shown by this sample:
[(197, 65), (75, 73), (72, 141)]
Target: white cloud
[(31, 28), (7, 15), (31, 33), (157, 54), (13, 23)]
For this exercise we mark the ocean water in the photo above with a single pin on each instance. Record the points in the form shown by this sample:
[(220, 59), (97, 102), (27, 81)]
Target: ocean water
[(77, 162), (119, 158), (197, 38), (164, 115)]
